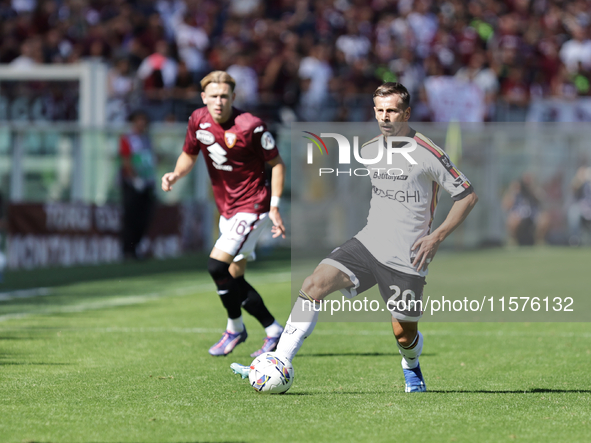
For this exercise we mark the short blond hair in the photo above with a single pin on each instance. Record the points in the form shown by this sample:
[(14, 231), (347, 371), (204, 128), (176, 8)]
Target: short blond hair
[(218, 77)]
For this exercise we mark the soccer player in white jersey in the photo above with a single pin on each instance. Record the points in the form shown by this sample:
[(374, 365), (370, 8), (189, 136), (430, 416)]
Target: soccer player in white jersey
[(396, 246)]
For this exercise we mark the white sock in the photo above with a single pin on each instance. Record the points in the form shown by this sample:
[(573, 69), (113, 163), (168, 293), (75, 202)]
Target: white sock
[(410, 357), (296, 331), (274, 329), (235, 325)]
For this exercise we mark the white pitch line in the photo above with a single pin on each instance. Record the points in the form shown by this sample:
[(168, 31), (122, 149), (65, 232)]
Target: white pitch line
[(158, 330), (134, 299), (499, 334), (24, 293)]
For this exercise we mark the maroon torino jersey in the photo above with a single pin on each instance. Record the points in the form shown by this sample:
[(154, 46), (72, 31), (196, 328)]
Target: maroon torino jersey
[(235, 153)]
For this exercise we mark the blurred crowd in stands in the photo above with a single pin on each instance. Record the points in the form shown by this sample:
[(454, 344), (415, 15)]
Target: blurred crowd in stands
[(308, 59)]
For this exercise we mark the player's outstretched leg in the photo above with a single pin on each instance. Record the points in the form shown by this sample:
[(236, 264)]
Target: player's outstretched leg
[(300, 325), (304, 314), (255, 306), (229, 293), (411, 368)]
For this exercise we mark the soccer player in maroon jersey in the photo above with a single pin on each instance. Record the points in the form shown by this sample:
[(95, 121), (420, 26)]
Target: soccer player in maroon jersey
[(235, 145)]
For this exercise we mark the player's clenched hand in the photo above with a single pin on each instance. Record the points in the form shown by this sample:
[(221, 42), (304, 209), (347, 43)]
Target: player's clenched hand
[(278, 229), (425, 249), (169, 179)]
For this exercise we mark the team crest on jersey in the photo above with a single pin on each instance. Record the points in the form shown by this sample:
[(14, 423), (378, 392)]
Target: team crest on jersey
[(230, 138)]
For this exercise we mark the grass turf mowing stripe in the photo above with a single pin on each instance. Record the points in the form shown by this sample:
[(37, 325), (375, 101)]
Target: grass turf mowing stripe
[(282, 277), (432, 333)]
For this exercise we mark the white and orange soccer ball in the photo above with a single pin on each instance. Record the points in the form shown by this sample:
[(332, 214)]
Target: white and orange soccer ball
[(271, 373)]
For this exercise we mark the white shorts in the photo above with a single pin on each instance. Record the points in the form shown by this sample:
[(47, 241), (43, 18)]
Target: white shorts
[(239, 234)]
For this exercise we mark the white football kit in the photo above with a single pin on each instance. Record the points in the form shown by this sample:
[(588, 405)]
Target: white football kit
[(404, 198)]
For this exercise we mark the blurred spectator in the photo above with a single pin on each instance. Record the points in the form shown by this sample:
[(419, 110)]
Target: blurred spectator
[(244, 8), (515, 95), (280, 82), (423, 24), (158, 73), (56, 49), (409, 71), (31, 54), (169, 11), (137, 179), (579, 213), (192, 41), (158, 70), (561, 85), (527, 222), (577, 50), (353, 44), (184, 86), (22, 6), (185, 95), (247, 82), (315, 74), (136, 53), (152, 32), (485, 78), (120, 86)]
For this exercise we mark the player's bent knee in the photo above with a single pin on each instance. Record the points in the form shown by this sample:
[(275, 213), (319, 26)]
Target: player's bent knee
[(405, 340), (405, 332), (406, 337), (312, 287), (218, 269)]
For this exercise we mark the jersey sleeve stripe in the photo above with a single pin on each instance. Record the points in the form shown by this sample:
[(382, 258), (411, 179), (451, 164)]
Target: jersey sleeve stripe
[(433, 151), (427, 143), (371, 141), (435, 191)]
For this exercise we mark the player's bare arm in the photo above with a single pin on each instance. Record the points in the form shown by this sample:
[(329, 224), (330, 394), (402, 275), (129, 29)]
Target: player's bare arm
[(183, 166), (427, 246), (277, 181)]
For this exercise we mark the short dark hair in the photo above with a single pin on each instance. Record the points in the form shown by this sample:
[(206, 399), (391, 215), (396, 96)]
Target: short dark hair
[(138, 113), (391, 88)]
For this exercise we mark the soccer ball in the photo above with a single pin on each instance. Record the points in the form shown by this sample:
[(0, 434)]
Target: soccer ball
[(271, 374)]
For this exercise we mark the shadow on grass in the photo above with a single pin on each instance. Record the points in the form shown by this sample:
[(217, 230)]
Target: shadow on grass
[(513, 391), (452, 391), (359, 354), (15, 338), (17, 363)]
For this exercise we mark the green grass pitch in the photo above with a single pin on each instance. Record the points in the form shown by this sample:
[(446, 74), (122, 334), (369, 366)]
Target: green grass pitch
[(122, 357)]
